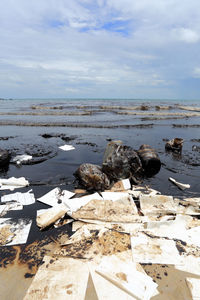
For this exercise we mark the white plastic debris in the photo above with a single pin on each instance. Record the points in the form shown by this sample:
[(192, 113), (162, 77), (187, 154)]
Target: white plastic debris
[(76, 203), (22, 198), (146, 249), (121, 185), (66, 147), (50, 215), (157, 204), (55, 196), (63, 278), (115, 196), (21, 158), (13, 183), (127, 277), (14, 232), (194, 287), (180, 185), (4, 208)]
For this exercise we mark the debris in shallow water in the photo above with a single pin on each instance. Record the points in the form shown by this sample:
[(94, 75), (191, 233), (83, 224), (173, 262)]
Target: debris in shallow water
[(13, 183), (66, 147), (12, 205), (92, 177), (22, 198), (21, 158), (14, 232), (174, 145), (150, 160), (180, 185), (157, 204), (55, 196)]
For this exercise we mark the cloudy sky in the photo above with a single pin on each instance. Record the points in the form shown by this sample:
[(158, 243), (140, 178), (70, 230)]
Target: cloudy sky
[(100, 48)]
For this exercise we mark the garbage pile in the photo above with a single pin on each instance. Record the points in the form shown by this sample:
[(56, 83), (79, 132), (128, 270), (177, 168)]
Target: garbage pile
[(119, 162), (128, 242)]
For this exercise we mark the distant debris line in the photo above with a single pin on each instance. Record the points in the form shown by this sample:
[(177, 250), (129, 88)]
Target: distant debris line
[(78, 125)]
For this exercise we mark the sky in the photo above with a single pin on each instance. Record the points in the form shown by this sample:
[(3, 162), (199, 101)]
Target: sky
[(147, 49)]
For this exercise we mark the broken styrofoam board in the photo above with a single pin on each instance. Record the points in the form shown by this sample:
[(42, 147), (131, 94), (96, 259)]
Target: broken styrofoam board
[(121, 185), (127, 277), (192, 200), (4, 208), (173, 229), (14, 231), (157, 204), (21, 158), (191, 266), (180, 185), (63, 278), (194, 287), (66, 147), (188, 210), (50, 215), (139, 190), (22, 198), (13, 183), (146, 249), (107, 210), (76, 203), (55, 196), (77, 225), (115, 196)]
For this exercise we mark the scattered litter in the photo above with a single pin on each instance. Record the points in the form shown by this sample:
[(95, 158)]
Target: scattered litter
[(22, 198), (66, 147), (126, 276), (121, 185), (14, 231), (21, 158), (157, 204), (193, 285), (13, 183), (180, 185), (55, 196), (146, 249), (62, 222), (174, 145), (12, 205), (115, 196), (139, 190), (63, 278), (49, 216), (76, 203)]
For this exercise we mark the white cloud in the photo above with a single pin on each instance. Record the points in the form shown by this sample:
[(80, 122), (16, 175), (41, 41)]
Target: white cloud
[(186, 35)]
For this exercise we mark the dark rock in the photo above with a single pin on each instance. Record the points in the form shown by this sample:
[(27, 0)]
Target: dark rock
[(150, 160), (92, 177), (174, 145), (196, 148), (63, 136), (121, 162), (4, 157)]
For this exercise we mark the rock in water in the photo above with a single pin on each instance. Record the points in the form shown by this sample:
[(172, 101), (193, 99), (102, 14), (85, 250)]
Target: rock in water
[(92, 177), (174, 145), (121, 162), (4, 157), (150, 160)]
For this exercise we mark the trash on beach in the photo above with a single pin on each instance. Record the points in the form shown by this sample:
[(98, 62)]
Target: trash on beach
[(63, 278), (121, 162), (146, 249), (13, 183), (49, 216), (76, 203), (93, 244), (66, 147), (22, 198), (180, 185), (128, 277), (92, 177), (116, 196), (107, 210), (12, 205), (136, 191), (61, 222), (157, 204), (150, 160), (55, 196), (19, 159), (14, 231), (174, 145), (121, 185)]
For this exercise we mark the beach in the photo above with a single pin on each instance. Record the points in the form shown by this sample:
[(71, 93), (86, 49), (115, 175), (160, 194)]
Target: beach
[(41, 126)]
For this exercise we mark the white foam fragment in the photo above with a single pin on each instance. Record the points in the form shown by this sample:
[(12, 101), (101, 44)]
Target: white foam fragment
[(66, 147), (22, 198)]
